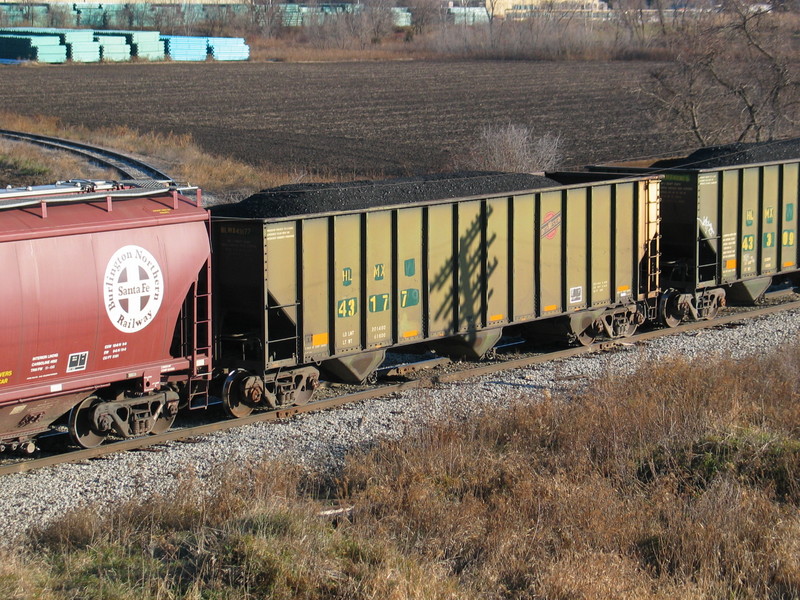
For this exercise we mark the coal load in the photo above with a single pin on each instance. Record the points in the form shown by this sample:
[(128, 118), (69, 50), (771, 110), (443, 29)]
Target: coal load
[(729, 155), (305, 199)]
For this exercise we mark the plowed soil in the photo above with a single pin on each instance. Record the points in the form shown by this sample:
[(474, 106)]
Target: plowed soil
[(353, 119)]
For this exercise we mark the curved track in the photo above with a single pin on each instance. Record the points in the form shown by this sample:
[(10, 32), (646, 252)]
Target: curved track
[(128, 167), (477, 370)]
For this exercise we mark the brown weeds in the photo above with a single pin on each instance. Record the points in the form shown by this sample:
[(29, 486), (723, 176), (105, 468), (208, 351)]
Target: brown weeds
[(677, 482), (22, 164), (224, 178), (622, 477), (289, 50)]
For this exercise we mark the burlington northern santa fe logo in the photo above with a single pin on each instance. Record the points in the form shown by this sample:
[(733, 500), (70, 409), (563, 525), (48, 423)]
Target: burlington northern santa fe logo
[(551, 224), (133, 288)]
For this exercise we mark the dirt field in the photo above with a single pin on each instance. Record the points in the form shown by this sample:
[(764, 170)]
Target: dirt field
[(354, 119)]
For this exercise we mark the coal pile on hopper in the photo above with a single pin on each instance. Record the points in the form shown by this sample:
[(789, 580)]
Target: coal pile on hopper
[(738, 153), (301, 199)]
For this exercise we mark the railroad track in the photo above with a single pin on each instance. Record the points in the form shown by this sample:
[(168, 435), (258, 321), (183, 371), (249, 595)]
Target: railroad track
[(477, 370), (128, 167)]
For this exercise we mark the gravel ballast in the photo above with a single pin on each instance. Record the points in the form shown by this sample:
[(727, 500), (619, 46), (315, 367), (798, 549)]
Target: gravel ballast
[(320, 441)]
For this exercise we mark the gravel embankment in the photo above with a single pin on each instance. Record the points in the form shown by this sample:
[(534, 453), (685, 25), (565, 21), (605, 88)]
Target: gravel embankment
[(320, 441)]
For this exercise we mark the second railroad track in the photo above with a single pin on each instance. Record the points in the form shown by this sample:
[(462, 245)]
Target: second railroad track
[(128, 167)]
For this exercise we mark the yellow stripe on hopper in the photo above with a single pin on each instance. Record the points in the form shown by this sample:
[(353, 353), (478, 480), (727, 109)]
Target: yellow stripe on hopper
[(319, 339)]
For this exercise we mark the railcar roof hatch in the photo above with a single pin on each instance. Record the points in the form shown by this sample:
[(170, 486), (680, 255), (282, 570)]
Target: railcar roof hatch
[(83, 190)]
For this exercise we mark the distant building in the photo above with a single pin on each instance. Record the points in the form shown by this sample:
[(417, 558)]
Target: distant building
[(517, 9)]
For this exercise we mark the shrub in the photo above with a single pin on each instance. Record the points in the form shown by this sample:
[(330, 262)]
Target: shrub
[(511, 148)]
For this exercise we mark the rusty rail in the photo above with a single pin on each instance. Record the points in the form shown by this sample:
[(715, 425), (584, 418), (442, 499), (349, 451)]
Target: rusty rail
[(127, 166)]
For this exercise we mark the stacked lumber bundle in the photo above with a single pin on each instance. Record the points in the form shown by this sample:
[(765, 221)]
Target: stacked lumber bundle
[(80, 43), (52, 45), (184, 47), (221, 48), (145, 45), (113, 48), (41, 48)]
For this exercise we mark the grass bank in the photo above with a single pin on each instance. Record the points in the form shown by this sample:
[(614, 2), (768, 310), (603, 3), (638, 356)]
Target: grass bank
[(680, 481), (226, 179)]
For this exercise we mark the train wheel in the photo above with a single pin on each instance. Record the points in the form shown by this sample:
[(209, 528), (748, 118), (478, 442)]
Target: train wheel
[(241, 392), (82, 428), (670, 315)]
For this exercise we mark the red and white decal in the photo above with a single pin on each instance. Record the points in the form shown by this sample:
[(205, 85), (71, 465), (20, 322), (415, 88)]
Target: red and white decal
[(551, 225), (133, 288)]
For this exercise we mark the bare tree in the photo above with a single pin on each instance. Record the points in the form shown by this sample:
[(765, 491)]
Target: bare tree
[(377, 21), (632, 19), (492, 12), (133, 16), (734, 78), (338, 30), (425, 14), (265, 16), (169, 19), (58, 15)]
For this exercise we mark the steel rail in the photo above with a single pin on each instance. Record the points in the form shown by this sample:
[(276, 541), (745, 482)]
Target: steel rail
[(383, 390), (127, 166)]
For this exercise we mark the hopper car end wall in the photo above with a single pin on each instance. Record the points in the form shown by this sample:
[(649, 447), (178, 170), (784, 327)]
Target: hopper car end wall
[(732, 226)]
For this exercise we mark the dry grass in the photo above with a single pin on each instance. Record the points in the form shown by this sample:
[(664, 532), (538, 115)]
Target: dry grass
[(23, 164), (293, 50), (570, 38), (257, 535), (680, 481), (20, 580), (177, 154)]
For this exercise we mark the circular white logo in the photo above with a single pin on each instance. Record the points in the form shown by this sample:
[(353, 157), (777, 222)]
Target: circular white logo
[(133, 288)]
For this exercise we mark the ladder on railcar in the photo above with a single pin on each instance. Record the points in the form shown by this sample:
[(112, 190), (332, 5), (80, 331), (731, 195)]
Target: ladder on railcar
[(200, 376), (651, 275)]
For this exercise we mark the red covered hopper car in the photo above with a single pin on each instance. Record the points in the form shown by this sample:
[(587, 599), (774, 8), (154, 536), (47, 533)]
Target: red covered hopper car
[(105, 322)]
